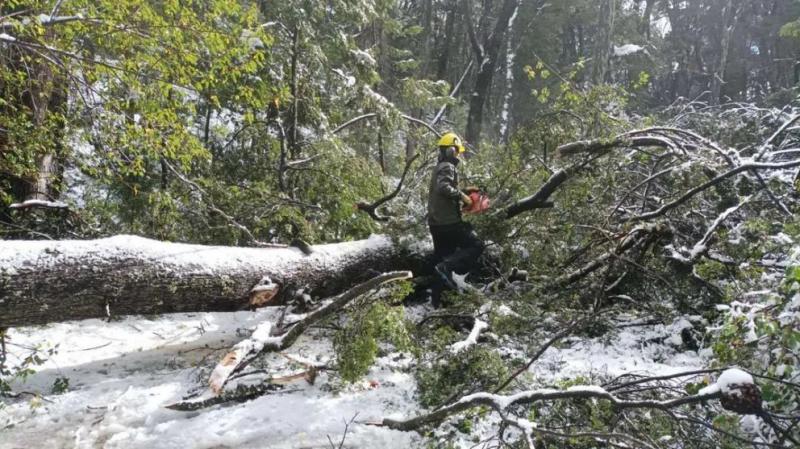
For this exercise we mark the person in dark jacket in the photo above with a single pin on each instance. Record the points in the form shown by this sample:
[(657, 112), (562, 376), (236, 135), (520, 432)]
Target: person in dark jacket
[(456, 246)]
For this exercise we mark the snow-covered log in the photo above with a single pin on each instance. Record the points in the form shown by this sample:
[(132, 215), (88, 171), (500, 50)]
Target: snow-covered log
[(45, 281)]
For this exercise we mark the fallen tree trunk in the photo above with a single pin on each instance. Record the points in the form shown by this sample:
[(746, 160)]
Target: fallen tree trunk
[(46, 281)]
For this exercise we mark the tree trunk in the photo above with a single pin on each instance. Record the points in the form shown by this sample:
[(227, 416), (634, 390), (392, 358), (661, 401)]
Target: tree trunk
[(486, 55), (295, 148), (449, 30), (46, 281), (602, 51), (647, 16), (46, 95), (505, 125), (730, 14)]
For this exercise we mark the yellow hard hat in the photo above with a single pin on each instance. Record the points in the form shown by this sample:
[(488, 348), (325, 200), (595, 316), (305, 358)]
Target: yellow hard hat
[(451, 139)]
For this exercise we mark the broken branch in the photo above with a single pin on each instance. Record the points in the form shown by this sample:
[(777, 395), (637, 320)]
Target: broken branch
[(501, 403), (264, 339), (372, 207)]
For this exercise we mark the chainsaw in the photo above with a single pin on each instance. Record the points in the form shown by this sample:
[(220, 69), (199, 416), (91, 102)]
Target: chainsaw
[(480, 202)]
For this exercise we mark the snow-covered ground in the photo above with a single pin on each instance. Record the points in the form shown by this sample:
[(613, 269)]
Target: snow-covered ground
[(122, 374)]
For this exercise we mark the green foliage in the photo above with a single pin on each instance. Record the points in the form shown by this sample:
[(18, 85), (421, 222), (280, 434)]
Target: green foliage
[(60, 385), (475, 369), (791, 30), (357, 343), (24, 368), (729, 346), (711, 270), (764, 340)]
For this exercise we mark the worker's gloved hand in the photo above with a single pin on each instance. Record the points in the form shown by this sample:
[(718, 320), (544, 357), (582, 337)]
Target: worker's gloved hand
[(471, 189), (466, 200)]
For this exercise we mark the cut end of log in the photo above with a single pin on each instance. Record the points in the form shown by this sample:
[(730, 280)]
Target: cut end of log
[(264, 293)]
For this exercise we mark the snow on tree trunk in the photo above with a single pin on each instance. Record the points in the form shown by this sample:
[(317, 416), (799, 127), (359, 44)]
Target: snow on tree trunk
[(46, 281), (510, 58)]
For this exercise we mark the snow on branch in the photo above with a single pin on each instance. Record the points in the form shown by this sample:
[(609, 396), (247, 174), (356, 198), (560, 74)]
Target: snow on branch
[(601, 146), (472, 339), (405, 117), (701, 247), (269, 337), (453, 92), (762, 151), (48, 281), (39, 204), (371, 208), (502, 403), (627, 49), (676, 140), (716, 180)]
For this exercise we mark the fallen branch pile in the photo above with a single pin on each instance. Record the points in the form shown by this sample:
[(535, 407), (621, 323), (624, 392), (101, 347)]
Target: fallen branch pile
[(273, 337)]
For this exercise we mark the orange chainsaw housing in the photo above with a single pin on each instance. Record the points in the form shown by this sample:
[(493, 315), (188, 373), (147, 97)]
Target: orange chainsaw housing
[(480, 203)]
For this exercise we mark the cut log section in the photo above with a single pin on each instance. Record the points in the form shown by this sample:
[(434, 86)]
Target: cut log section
[(46, 281)]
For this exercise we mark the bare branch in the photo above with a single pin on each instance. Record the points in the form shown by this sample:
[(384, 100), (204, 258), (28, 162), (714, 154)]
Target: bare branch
[(453, 93), (359, 118), (540, 199), (524, 368), (640, 236), (691, 193), (267, 339), (371, 208), (501, 403)]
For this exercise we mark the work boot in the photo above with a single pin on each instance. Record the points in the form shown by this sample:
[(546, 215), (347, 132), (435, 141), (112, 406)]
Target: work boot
[(446, 275)]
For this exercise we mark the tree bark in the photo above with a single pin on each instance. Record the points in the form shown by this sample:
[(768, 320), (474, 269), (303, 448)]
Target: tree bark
[(45, 95), (449, 31), (602, 51), (46, 281), (486, 55), (731, 14), (644, 26), (505, 120)]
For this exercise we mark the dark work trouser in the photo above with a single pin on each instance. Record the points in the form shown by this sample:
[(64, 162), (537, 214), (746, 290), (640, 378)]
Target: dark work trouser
[(458, 247)]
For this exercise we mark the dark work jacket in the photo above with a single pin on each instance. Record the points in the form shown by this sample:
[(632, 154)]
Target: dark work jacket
[(444, 198)]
